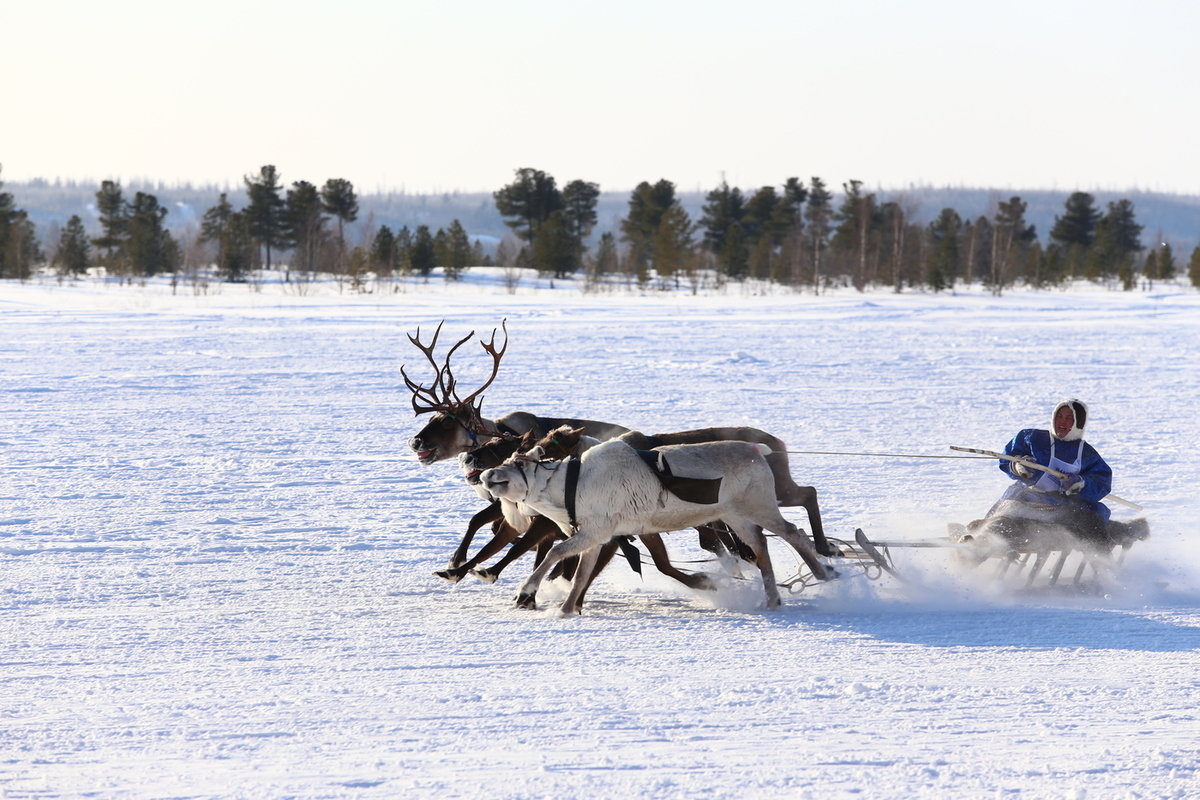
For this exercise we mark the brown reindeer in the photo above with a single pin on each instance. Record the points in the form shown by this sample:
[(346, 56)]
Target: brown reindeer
[(457, 424), (488, 455)]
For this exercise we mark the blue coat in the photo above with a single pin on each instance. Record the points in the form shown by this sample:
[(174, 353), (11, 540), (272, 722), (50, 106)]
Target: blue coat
[(1094, 470)]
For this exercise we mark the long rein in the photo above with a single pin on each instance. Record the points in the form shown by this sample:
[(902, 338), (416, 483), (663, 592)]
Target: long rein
[(987, 455)]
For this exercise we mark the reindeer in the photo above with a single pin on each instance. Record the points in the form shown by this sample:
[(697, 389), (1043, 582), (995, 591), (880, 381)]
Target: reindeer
[(617, 494), (457, 427), (787, 492), (538, 531), (488, 455), (457, 422)]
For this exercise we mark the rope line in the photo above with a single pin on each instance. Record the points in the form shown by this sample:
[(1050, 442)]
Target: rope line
[(881, 455)]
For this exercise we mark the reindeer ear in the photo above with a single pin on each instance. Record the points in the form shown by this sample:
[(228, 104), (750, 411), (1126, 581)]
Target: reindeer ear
[(536, 454), (578, 432), (528, 440)]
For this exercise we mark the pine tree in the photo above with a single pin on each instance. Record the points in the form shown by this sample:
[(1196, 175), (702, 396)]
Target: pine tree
[(1011, 239), (647, 204), (945, 235), (1194, 268), (818, 213), (760, 212), (1075, 231), (213, 226), (1150, 268), (1118, 240), (858, 219), (528, 201), (458, 251), (1124, 231), (979, 250), (579, 212), (1166, 262), (241, 249), (553, 251), (339, 200), (149, 244), (9, 215), (21, 247), (1077, 226), (607, 261), (114, 222), (734, 256), (383, 251), (421, 253), (74, 250), (673, 243), (266, 214), (306, 226), (403, 250), (723, 208)]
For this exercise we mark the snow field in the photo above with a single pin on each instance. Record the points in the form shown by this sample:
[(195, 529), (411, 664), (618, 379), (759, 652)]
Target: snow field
[(218, 553)]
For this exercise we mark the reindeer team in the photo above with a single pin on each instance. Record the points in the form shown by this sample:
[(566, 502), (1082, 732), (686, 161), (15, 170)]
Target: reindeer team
[(577, 490)]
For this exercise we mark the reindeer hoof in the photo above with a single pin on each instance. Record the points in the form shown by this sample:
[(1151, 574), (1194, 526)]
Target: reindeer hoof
[(526, 601), (702, 583), (452, 575), (485, 575)]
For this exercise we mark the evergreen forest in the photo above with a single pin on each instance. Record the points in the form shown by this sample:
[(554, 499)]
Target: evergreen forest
[(801, 234)]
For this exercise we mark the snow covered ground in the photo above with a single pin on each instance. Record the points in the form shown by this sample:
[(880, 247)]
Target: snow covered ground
[(217, 552)]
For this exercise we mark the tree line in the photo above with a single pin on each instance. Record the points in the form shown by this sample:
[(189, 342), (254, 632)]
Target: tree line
[(793, 234), (303, 222)]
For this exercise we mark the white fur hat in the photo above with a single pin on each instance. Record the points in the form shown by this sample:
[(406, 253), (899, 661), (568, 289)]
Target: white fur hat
[(1079, 410)]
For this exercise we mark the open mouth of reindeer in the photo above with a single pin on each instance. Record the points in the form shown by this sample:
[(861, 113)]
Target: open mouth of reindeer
[(426, 456)]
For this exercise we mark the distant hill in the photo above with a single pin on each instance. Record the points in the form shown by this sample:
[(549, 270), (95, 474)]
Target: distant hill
[(1176, 216)]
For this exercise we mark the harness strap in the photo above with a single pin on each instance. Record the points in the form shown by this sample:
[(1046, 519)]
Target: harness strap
[(572, 485)]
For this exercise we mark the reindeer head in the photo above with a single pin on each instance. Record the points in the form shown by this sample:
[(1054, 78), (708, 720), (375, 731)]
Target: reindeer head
[(559, 443), (456, 422), (492, 454), (510, 480)]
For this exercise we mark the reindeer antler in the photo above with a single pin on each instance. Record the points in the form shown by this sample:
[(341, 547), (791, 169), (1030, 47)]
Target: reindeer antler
[(490, 349), (441, 394)]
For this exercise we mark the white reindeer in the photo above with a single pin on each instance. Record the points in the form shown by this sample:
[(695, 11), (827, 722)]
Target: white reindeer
[(617, 494)]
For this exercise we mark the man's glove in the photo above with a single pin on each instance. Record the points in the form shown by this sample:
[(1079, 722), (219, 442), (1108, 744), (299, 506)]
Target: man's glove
[(1020, 469), (1071, 484)]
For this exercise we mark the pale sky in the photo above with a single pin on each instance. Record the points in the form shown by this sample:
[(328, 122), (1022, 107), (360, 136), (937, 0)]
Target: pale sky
[(441, 96)]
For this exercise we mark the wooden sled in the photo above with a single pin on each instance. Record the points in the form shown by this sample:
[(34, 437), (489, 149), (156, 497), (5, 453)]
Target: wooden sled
[(1028, 560)]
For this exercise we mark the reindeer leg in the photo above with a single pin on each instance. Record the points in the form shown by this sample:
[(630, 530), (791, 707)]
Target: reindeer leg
[(808, 499), (573, 546), (752, 535), (662, 560), (591, 564), (710, 540), (541, 534), (490, 514), (504, 535), (792, 535)]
